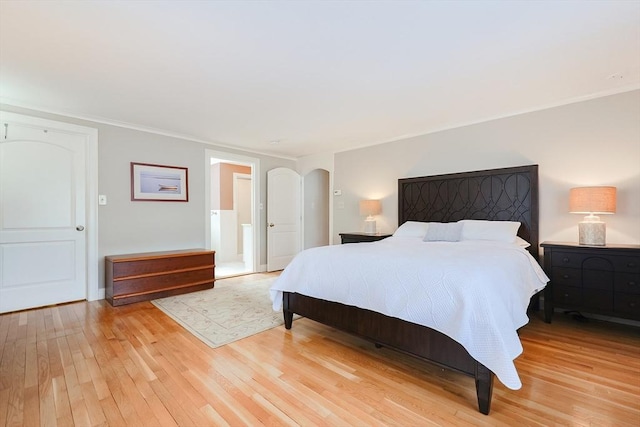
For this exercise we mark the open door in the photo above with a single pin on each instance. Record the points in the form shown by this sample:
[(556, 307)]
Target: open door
[(283, 217)]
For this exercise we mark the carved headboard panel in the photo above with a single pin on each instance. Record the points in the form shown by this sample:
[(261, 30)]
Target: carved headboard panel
[(507, 194)]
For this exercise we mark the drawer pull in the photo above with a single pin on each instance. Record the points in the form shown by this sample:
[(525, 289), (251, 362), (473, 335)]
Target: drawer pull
[(632, 304), (632, 284), (566, 259), (566, 295), (631, 264), (565, 276)]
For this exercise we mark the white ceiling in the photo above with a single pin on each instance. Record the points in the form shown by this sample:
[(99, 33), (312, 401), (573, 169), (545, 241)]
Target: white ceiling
[(316, 76)]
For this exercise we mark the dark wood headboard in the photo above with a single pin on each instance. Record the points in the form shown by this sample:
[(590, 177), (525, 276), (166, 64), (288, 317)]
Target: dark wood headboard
[(507, 194)]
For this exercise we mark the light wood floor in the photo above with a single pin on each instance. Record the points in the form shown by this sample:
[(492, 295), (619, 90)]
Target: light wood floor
[(91, 364)]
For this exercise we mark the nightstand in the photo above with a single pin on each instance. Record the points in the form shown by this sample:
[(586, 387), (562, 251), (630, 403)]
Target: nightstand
[(362, 237), (594, 279)]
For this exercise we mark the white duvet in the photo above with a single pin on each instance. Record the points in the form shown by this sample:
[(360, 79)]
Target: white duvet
[(476, 292)]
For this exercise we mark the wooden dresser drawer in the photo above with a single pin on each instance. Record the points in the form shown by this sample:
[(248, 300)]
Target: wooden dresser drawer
[(627, 264), (626, 282), (567, 259), (563, 276), (628, 304), (141, 265), (567, 295), (174, 280)]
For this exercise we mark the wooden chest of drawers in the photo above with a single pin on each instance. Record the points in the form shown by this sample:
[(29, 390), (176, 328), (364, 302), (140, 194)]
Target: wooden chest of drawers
[(145, 276), (594, 279)]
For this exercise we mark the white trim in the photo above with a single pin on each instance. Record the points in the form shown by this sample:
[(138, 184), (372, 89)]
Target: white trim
[(573, 100), (255, 196), (93, 291)]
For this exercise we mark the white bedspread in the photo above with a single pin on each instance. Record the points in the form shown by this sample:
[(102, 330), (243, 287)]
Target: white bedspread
[(476, 292)]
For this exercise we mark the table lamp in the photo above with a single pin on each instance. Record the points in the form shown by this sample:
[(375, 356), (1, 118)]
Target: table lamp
[(592, 201), (370, 208)]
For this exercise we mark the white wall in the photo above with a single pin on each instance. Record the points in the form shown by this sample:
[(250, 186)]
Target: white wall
[(316, 208), (595, 142)]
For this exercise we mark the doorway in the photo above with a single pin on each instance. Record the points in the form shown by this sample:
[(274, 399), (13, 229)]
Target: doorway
[(232, 214)]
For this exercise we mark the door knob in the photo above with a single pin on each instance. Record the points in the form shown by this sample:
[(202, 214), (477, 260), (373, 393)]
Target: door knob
[(271, 224), (80, 228)]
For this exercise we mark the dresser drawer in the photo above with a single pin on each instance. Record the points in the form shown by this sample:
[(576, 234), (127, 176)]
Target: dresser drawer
[(627, 264), (626, 282), (567, 259), (173, 280), (141, 266), (562, 276), (567, 296), (628, 304)]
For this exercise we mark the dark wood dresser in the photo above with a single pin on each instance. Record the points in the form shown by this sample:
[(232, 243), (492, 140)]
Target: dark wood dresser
[(594, 279), (145, 276), (362, 237)]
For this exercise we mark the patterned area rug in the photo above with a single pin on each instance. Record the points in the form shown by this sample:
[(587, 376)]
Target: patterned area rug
[(228, 312)]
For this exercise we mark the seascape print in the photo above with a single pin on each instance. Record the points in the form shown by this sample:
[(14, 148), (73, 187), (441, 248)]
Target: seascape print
[(159, 183)]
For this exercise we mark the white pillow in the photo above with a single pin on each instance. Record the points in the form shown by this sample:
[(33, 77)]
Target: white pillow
[(443, 232), (500, 231), (412, 229), (522, 243)]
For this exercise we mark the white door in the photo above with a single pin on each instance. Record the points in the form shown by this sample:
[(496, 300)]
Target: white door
[(42, 216), (283, 217)]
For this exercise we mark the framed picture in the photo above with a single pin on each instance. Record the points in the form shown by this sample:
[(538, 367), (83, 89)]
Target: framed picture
[(159, 183)]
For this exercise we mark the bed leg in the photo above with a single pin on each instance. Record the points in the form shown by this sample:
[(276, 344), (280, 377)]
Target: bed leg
[(288, 315), (484, 387), (288, 319)]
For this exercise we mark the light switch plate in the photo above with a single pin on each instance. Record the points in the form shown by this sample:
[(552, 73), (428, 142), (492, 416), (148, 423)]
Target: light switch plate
[(102, 199)]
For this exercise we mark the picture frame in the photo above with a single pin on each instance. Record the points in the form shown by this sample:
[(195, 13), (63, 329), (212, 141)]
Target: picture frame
[(159, 183)]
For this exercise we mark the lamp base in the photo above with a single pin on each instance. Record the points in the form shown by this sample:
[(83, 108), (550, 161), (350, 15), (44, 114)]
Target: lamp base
[(592, 233), (370, 226)]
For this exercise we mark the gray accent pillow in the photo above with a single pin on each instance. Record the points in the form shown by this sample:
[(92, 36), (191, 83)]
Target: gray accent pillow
[(443, 232)]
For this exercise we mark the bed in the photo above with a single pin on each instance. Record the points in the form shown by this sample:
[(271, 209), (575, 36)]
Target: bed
[(507, 194)]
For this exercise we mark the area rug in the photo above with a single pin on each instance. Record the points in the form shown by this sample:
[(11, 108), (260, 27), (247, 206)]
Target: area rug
[(228, 312)]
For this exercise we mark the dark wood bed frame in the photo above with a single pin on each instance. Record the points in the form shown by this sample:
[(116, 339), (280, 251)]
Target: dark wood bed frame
[(508, 194)]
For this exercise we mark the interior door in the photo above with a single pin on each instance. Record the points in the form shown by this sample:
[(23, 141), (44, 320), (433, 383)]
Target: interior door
[(42, 216), (283, 217)]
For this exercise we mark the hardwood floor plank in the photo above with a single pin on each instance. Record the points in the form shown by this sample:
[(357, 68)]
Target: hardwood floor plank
[(112, 412), (15, 404), (4, 406), (61, 399), (45, 387), (93, 364), (31, 409)]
